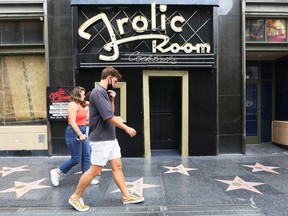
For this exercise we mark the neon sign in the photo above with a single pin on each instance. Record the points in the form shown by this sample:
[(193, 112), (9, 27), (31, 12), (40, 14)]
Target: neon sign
[(140, 24)]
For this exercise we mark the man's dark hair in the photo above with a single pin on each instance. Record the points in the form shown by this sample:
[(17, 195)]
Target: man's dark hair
[(110, 71)]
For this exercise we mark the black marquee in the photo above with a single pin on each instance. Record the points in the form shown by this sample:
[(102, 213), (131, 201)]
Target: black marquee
[(151, 35)]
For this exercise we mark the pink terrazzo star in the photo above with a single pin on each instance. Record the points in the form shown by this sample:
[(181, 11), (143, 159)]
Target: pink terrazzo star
[(137, 187), (9, 170), (22, 187), (259, 167), (238, 183), (179, 169)]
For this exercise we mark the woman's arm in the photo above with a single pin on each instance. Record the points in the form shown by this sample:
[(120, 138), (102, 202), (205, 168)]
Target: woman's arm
[(86, 109)]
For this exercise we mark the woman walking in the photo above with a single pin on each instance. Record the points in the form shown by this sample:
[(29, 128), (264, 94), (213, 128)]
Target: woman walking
[(76, 138)]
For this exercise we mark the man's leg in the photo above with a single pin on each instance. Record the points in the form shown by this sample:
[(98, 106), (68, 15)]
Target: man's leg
[(118, 176), (85, 180), (117, 173), (75, 199)]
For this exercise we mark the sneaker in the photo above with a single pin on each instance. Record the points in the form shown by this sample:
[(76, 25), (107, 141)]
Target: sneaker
[(132, 199), (94, 182), (54, 177), (78, 204)]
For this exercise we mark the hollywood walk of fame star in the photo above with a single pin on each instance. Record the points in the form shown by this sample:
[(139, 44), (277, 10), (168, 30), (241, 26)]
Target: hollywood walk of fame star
[(103, 170), (137, 187), (180, 169), (22, 187), (9, 170), (259, 167), (238, 183)]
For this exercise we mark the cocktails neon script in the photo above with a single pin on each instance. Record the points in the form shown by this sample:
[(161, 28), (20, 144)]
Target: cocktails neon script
[(174, 47)]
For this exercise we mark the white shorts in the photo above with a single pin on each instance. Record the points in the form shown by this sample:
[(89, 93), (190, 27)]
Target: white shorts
[(104, 151)]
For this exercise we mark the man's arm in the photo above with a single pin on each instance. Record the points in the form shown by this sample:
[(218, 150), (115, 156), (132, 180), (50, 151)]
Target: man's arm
[(112, 95), (117, 123)]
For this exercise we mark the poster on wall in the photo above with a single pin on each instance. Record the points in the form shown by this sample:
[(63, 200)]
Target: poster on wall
[(57, 102)]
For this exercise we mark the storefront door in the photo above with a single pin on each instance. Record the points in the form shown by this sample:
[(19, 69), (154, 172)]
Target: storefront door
[(165, 112), (253, 96), (252, 113), (259, 101), (182, 95)]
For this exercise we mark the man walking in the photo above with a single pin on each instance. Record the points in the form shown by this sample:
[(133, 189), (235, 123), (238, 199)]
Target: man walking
[(102, 137)]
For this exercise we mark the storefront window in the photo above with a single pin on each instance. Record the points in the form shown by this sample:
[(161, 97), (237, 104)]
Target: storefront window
[(22, 90), (32, 32), (23, 77), (276, 30), (252, 72), (266, 30), (255, 30), (21, 32), (11, 33)]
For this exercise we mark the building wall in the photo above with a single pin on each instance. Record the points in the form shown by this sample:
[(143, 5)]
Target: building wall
[(23, 130), (60, 62), (268, 56), (281, 92), (207, 136), (202, 112), (230, 77)]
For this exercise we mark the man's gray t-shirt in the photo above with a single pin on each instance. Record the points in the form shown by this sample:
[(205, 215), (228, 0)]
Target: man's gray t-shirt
[(100, 109)]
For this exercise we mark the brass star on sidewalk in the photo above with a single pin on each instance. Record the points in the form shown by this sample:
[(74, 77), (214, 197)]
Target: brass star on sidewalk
[(9, 170), (180, 169), (22, 187), (259, 167), (238, 183), (137, 187)]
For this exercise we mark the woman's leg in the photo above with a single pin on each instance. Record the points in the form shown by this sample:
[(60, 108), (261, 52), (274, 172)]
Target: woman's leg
[(86, 155), (75, 150)]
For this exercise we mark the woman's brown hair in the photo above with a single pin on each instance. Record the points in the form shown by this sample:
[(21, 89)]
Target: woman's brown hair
[(76, 94)]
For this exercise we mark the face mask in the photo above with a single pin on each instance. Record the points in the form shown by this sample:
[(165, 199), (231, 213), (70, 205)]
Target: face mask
[(110, 86)]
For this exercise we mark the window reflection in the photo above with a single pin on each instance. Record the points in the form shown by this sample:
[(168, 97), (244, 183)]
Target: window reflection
[(255, 30), (21, 32), (252, 72), (11, 33), (276, 30), (33, 32)]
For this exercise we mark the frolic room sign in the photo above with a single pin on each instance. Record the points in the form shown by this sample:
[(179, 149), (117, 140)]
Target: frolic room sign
[(147, 35)]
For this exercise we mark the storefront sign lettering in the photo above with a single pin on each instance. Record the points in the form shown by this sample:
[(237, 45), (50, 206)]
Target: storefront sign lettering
[(140, 24), (57, 103), (137, 57), (59, 96)]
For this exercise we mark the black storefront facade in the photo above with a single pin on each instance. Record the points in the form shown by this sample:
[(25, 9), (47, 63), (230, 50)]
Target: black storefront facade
[(199, 77), (167, 54), (182, 63)]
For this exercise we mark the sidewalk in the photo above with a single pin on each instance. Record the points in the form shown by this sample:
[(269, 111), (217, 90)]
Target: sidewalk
[(251, 184)]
